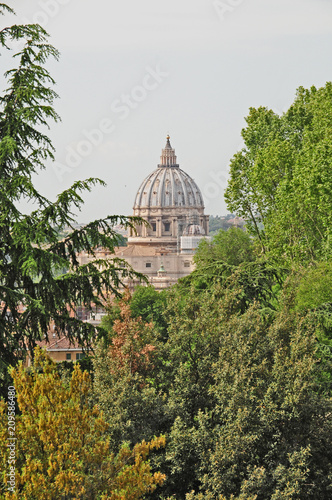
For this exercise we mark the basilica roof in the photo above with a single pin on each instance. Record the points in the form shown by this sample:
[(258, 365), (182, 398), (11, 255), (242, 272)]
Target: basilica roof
[(168, 185)]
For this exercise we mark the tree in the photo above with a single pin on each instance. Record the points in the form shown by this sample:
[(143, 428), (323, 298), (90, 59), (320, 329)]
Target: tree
[(131, 349), (258, 281), (233, 247), (150, 305), (192, 348), (245, 194), (34, 290), (124, 379), (280, 182), (312, 289), (268, 434), (315, 287), (239, 388), (63, 448), (244, 394), (145, 303)]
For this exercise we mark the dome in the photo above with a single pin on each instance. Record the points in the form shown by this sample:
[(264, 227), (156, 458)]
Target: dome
[(168, 185)]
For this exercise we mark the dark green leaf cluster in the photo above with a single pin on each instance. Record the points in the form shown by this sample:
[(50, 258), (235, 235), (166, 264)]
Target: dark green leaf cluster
[(239, 386)]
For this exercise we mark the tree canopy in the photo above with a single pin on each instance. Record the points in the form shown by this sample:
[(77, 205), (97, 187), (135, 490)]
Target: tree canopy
[(239, 387), (280, 182), (233, 247), (63, 447)]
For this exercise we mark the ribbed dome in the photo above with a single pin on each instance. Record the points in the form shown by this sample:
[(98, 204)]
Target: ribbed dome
[(168, 185)]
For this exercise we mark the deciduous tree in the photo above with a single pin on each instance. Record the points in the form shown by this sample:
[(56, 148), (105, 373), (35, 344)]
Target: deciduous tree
[(267, 435), (233, 247), (125, 385), (281, 183), (63, 447)]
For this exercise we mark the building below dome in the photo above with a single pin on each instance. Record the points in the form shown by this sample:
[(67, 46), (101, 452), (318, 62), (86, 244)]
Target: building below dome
[(172, 205)]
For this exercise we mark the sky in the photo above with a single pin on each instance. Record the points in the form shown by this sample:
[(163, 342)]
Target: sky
[(131, 72)]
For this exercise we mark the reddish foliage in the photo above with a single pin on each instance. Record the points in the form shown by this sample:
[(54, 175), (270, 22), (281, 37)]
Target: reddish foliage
[(131, 348)]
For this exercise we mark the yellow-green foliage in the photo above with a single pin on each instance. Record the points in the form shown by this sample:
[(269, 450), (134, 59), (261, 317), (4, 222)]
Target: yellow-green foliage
[(315, 287), (62, 443)]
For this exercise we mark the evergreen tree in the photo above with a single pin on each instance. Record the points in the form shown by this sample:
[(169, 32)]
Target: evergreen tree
[(34, 289)]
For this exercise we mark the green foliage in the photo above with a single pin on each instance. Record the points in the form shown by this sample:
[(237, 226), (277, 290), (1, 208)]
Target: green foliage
[(254, 281), (282, 177), (146, 303), (192, 348), (33, 288), (66, 368), (313, 293), (113, 313), (268, 424), (315, 288), (150, 305), (232, 247), (124, 371), (239, 388)]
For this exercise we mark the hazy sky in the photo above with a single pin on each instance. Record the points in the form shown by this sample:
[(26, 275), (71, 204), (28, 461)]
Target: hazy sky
[(132, 71)]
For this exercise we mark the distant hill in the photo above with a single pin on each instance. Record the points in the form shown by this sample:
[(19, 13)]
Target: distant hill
[(224, 222)]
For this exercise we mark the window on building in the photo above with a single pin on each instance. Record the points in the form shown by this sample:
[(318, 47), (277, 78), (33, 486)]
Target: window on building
[(154, 226), (148, 264), (68, 356), (79, 355), (167, 226), (186, 263)]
